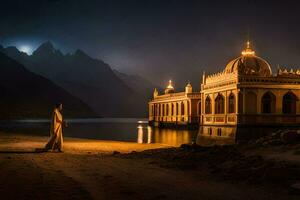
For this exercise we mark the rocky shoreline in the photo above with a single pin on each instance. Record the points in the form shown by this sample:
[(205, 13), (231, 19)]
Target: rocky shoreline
[(247, 163)]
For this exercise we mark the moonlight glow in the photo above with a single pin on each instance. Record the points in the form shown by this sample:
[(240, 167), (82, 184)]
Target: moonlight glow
[(26, 49)]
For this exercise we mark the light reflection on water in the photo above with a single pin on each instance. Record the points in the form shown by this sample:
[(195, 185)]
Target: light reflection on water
[(131, 130), (173, 137)]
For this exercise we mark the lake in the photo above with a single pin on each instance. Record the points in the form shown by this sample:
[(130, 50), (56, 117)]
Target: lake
[(121, 129)]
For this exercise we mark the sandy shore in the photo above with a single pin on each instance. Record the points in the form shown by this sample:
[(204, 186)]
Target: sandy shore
[(19, 143), (88, 170)]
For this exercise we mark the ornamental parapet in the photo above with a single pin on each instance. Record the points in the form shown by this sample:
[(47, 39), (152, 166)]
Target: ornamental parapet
[(170, 96), (220, 77), (284, 72), (270, 80)]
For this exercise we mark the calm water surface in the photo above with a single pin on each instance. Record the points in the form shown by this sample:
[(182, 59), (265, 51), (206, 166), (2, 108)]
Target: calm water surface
[(118, 129)]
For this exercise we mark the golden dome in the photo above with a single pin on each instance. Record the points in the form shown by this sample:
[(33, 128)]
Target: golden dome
[(249, 64)]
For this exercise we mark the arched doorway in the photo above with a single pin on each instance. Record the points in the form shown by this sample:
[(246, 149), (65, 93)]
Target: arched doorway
[(250, 103), (289, 103), (219, 104), (268, 103), (182, 109)]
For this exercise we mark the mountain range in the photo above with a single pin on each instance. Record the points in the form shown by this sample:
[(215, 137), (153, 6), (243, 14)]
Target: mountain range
[(108, 92), (28, 95)]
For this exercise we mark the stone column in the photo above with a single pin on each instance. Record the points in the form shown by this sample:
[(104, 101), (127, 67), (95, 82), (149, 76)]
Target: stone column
[(212, 103), (279, 95), (259, 96)]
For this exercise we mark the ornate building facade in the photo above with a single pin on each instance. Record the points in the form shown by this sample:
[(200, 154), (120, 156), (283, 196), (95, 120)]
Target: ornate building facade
[(246, 92), (175, 108)]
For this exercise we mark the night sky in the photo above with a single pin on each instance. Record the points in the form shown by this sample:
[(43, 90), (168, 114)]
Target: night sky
[(158, 39)]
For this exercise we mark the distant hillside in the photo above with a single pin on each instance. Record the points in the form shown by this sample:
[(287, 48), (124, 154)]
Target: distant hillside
[(89, 79), (138, 83), (28, 95)]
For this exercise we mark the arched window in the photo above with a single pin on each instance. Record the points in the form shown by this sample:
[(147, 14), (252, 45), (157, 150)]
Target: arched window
[(199, 108), (163, 110), (167, 110), (182, 108), (289, 103), (268, 101), (177, 109), (172, 109), (160, 110), (207, 105), (153, 110), (188, 107), (231, 103), (219, 104)]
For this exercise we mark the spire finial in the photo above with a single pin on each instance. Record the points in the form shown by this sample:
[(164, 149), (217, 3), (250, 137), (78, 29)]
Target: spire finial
[(248, 51)]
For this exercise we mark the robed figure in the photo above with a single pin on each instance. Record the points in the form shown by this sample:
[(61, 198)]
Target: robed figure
[(56, 138)]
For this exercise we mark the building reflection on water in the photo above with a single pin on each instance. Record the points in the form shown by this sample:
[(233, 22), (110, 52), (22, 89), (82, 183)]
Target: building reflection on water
[(216, 135), (205, 136), (176, 137)]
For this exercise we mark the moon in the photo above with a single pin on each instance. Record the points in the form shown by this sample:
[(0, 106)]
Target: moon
[(26, 49)]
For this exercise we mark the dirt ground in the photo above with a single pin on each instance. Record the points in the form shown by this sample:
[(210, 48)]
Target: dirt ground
[(88, 169)]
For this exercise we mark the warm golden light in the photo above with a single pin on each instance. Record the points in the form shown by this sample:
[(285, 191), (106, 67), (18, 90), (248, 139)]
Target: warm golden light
[(170, 86), (248, 51)]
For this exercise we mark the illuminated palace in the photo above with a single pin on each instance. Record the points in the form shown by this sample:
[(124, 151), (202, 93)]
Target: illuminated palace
[(246, 92)]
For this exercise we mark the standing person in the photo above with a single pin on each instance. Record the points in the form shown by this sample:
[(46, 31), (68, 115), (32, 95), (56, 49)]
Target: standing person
[(56, 139)]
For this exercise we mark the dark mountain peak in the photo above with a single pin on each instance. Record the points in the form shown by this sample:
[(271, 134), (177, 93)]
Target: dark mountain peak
[(82, 54), (46, 48), (13, 52), (12, 49)]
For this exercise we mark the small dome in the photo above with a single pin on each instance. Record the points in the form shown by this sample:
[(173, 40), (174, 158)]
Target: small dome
[(188, 85), (170, 88), (249, 64)]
